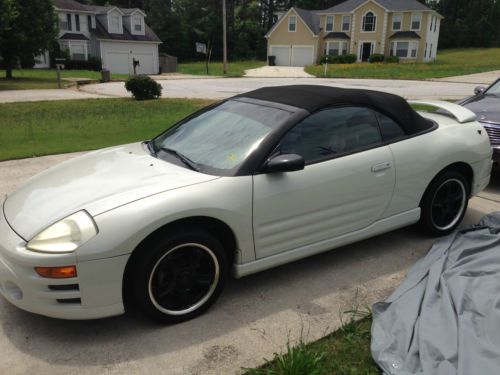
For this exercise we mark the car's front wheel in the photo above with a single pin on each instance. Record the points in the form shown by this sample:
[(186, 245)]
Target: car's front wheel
[(178, 277), (444, 203)]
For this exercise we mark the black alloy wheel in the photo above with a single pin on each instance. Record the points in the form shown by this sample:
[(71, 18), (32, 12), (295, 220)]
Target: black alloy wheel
[(445, 203), (179, 276)]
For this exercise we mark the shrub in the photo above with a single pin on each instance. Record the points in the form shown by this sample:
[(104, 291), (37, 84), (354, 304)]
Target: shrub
[(376, 58), (339, 59), (392, 59), (143, 87)]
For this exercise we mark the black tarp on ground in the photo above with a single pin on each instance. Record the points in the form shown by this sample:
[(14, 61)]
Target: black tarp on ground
[(445, 317)]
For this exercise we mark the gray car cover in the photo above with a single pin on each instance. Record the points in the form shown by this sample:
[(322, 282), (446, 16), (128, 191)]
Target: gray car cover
[(445, 317)]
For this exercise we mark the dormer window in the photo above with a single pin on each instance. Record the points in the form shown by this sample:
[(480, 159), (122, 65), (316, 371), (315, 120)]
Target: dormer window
[(292, 23), (137, 23), (329, 23), (115, 22), (369, 22)]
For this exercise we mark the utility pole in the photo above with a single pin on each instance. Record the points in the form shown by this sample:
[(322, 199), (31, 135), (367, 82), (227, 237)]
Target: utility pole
[(224, 37)]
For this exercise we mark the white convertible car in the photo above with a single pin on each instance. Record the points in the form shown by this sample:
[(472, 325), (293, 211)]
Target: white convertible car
[(256, 181)]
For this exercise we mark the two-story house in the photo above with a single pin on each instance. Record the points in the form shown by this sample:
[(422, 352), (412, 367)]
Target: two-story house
[(116, 35), (404, 28)]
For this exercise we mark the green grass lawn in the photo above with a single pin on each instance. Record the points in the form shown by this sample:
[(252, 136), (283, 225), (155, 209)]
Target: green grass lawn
[(43, 128), (448, 63), (25, 79), (235, 68), (344, 352)]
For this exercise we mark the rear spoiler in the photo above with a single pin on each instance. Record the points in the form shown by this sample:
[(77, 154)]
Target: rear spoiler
[(462, 114)]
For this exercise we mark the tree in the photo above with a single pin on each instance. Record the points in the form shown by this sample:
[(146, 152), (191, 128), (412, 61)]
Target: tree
[(31, 30)]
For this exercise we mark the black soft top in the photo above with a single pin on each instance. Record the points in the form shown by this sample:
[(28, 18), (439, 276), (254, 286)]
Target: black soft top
[(313, 98)]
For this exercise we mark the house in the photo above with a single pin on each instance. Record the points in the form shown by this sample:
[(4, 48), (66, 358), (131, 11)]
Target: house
[(404, 28), (118, 36)]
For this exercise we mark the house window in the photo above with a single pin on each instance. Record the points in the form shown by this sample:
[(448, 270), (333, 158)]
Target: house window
[(78, 52), (404, 49), (346, 23), (329, 23), (369, 22), (292, 23), (397, 21), (68, 21), (425, 53), (77, 22), (415, 21), (432, 21), (336, 48), (435, 24), (138, 23), (89, 22), (115, 23)]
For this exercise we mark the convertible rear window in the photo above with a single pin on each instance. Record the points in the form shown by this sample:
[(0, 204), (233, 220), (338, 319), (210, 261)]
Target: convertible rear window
[(224, 136)]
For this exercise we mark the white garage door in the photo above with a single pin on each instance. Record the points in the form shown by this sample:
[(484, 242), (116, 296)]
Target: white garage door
[(282, 55), (146, 65), (302, 56), (119, 62)]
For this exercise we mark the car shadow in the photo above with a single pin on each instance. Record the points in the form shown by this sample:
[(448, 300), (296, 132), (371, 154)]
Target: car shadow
[(296, 286)]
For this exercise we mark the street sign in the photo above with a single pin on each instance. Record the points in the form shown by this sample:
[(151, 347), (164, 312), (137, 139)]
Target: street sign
[(201, 48)]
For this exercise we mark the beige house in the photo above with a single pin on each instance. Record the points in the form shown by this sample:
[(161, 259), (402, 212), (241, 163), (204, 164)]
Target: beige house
[(404, 28)]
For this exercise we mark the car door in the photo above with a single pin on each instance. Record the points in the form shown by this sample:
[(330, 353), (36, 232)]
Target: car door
[(346, 185)]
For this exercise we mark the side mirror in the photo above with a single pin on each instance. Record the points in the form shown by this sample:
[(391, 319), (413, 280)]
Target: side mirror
[(285, 163), (479, 90)]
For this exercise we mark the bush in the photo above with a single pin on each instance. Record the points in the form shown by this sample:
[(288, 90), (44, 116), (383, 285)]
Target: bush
[(339, 59), (392, 59), (376, 58), (143, 87)]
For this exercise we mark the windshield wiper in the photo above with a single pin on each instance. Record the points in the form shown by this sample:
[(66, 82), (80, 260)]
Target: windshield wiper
[(191, 164)]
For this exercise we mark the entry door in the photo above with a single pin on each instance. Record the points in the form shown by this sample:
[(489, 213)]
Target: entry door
[(334, 194), (366, 51)]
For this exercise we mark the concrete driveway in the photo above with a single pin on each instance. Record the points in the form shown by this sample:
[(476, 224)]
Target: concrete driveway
[(217, 88), (255, 317), (11, 96)]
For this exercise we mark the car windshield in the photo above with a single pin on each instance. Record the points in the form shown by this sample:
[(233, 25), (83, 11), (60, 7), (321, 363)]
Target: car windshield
[(494, 89), (220, 138)]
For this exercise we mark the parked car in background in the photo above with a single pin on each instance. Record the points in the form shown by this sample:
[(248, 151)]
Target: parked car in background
[(250, 183), (486, 105)]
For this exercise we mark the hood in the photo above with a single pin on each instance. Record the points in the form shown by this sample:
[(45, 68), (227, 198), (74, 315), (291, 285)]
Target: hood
[(97, 182), (486, 107)]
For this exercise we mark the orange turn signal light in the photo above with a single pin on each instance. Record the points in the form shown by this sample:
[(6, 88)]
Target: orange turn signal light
[(64, 272)]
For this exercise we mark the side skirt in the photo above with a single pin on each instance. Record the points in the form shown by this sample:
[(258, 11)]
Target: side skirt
[(382, 226)]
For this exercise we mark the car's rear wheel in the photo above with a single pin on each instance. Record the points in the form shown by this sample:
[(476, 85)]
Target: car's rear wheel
[(180, 276), (444, 203)]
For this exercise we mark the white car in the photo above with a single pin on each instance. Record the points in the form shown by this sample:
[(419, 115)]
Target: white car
[(256, 181)]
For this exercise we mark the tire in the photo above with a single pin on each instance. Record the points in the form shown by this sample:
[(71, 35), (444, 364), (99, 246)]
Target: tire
[(179, 276), (444, 203)]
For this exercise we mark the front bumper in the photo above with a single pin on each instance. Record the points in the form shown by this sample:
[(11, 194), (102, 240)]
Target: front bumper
[(96, 292)]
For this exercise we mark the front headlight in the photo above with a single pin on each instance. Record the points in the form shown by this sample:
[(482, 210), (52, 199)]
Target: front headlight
[(66, 235)]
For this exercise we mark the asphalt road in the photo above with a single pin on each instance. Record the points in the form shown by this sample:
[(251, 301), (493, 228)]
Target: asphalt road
[(255, 317), (217, 88)]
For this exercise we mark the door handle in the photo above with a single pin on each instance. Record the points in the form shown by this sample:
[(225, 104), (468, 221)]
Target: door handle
[(381, 167)]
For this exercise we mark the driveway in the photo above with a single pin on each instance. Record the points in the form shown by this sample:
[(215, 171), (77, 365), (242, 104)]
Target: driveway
[(255, 317), (278, 72), (221, 88), (485, 79)]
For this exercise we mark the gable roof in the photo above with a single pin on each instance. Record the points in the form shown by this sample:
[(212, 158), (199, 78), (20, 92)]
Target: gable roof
[(149, 35), (391, 5), (309, 17), (97, 9)]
